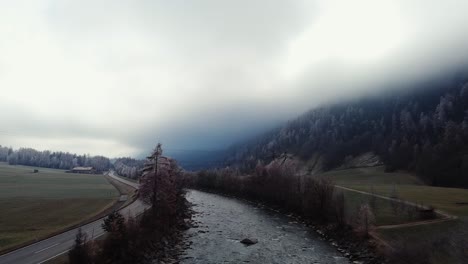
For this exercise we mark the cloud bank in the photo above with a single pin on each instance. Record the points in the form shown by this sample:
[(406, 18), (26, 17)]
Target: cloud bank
[(115, 77)]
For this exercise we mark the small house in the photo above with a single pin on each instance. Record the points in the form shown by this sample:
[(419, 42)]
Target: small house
[(83, 170)]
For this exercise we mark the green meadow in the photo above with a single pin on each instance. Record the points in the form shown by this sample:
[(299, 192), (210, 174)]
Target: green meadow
[(407, 187), (35, 205)]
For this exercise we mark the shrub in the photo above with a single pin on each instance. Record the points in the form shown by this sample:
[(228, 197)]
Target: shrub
[(80, 252)]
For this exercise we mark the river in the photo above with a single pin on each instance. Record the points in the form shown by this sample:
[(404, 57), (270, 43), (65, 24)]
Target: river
[(222, 222)]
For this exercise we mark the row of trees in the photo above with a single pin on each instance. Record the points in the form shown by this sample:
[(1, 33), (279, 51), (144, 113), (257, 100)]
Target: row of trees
[(317, 199), (313, 197), (128, 167), (49, 159), (147, 238), (421, 130)]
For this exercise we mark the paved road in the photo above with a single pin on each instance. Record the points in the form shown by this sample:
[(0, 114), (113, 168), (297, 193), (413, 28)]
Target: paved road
[(47, 249), (114, 176)]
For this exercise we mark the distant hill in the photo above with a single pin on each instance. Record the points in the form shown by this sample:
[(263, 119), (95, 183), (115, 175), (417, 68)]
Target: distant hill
[(194, 160), (423, 129)]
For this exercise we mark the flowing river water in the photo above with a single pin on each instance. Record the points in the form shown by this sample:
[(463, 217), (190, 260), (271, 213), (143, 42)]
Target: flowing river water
[(222, 222)]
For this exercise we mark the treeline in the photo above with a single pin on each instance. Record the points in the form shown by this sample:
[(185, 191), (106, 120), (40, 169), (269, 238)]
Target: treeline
[(149, 238), (317, 200), (128, 167), (49, 159), (313, 197), (422, 130)]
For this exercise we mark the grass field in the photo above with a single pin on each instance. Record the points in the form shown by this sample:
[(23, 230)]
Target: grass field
[(407, 186), (383, 211), (410, 188), (443, 241), (34, 205)]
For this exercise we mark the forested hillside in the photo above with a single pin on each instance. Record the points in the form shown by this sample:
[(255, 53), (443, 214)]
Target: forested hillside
[(424, 130)]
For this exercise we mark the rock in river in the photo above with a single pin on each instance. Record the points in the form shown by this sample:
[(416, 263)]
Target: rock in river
[(249, 241)]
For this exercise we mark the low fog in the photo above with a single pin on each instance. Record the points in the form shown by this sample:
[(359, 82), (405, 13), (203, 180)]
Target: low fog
[(116, 77)]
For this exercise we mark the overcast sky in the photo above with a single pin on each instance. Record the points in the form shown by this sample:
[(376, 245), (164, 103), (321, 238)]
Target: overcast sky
[(115, 77)]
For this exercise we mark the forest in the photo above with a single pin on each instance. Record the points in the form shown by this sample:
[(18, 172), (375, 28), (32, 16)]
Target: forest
[(128, 167), (50, 159), (54, 160), (423, 130)]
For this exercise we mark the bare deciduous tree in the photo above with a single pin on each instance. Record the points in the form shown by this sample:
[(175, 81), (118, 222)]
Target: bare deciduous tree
[(340, 209), (158, 184), (365, 220), (373, 199)]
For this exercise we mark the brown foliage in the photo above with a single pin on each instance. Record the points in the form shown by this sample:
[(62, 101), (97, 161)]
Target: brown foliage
[(365, 220), (160, 185), (276, 184), (136, 240), (340, 209)]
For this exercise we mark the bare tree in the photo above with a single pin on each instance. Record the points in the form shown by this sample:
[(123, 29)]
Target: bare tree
[(373, 199), (395, 202), (365, 220), (318, 197), (149, 186), (340, 209), (158, 185)]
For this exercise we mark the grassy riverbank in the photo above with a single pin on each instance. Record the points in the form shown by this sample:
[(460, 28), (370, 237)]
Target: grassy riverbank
[(408, 187), (440, 241)]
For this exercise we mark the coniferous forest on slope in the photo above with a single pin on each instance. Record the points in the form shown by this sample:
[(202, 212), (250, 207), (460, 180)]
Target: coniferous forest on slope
[(423, 130)]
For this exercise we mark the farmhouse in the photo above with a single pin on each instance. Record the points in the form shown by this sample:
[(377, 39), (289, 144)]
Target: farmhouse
[(84, 170)]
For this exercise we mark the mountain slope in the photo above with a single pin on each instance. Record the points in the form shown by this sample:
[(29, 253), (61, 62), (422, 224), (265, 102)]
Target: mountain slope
[(424, 130)]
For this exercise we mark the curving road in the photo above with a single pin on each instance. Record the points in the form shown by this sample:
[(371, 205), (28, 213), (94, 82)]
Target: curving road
[(52, 247), (133, 184)]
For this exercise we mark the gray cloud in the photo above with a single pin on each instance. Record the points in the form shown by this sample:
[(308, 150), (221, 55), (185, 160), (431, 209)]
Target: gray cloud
[(114, 77)]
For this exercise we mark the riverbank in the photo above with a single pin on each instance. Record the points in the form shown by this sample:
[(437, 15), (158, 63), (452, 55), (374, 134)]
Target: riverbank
[(354, 248)]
